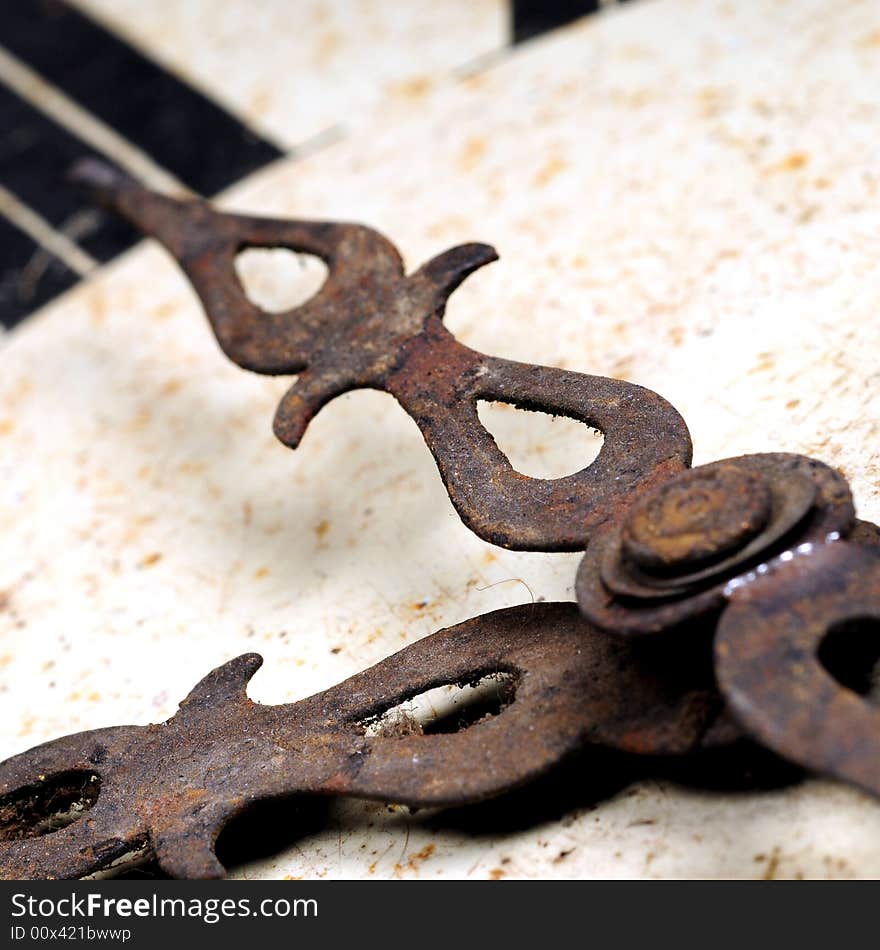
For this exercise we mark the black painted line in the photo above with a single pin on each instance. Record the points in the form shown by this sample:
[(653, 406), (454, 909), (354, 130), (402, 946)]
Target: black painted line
[(531, 18), (29, 275), (196, 140), (35, 156)]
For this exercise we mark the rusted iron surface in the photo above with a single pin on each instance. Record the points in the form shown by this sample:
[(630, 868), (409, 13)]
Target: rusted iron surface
[(708, 597), (769, 657), (686, 546), (768, 548), (373, 326), (171, 788)]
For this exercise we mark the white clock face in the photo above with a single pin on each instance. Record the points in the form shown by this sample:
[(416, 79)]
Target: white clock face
[(692, 210)]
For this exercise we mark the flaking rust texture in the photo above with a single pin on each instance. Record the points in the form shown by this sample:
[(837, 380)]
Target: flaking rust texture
[(737, 275), (169, 789), (786, 651), (666, 546), (771, 544), (699, 540), (372, 326)]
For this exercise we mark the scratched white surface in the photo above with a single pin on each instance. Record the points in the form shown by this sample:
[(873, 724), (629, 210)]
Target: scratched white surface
[(683, 194)]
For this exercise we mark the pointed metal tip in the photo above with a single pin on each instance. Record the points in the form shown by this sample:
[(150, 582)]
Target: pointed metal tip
[(94, 173)]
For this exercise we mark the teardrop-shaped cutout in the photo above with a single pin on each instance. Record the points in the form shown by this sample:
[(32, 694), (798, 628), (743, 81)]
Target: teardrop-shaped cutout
[(850, 652), (449, 708), (49, 804), (539, 444), (276, 279)]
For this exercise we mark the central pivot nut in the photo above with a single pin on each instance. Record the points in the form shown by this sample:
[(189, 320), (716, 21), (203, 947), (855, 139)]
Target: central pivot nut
[(695, 519)]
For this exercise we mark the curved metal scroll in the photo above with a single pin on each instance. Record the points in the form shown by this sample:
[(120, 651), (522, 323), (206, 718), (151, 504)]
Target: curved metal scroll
[(372, 326), (171, 788), (768, 656)]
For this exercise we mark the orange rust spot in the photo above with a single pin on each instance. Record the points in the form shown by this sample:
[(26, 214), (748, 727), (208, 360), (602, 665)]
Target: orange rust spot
[(762, 107), (791, 163), (141, 420), (98, 310), (632, 98), (261, 572), (475, 81), (792, 403), (549, 170), (327, 47), (321, 529), (496, 874), (416, 87), (165, 804), (453, 224), (23, 388), (472, 154), (676, 336), (27, 724), (416, 859), (6, 426), (260, 102), (151, 559), (772, 866), (164, 310)]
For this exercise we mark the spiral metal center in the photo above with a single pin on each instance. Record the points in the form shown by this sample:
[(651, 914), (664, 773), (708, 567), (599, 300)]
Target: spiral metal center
[(695, 519)]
